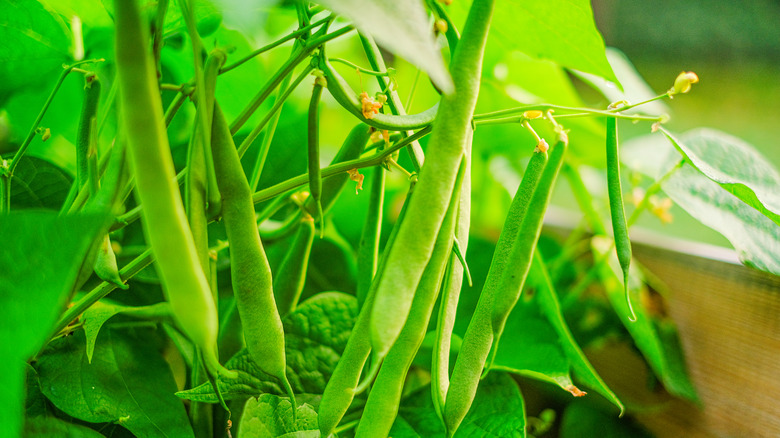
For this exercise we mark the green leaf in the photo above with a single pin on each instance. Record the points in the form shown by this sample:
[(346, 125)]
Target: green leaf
[(131, 384), (654, 335), (580, 419), (734, 164), (103, 310), (402, 27), (35, 43), (315, 336), (41, 256), (498, 411), (755, 237), (542, 346), (562, 31), (36, 183), (270, 416), (54, 427)]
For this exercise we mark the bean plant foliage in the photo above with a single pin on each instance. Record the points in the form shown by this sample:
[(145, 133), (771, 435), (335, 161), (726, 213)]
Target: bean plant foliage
[(354, 246)]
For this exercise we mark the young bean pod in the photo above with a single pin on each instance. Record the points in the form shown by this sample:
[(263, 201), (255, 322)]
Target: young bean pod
[(450, 295), (351, 149), (413, 246), (249, 268), (368, 249), (383, 401), (619, 227), (315, 177), (290, 279), (184, 282), (479, 334), (340, 390), (88, 114), (512, 281), (343, 94)]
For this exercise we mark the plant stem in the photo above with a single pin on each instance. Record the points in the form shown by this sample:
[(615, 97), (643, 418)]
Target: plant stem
[(359, 68), (337, 168), (511, 115), (23, 148), (274, 44)]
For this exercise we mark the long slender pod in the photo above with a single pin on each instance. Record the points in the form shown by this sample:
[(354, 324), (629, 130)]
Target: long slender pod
[(290, 279), (351, 149), (340, 390), (479, 334), (165, 224), (414, 244), (315, 176), (619, 227), (368, 249), (249, 268), (88, 113), (450, 295), (512, 281), (383, 401)]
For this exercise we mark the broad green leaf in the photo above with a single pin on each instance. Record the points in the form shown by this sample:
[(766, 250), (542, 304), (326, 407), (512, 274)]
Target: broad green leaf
[(92, 13), (207, 17), (580, 419), (36, 183), (654, 335), (315, 336), (35, 43), (562, 31), (130, 384), (42, 427), (537, 342), (734, 164), (270, 416), (100, 312), (498, 411), (401, 26), (755, 237), (41, 255), (635, 89)]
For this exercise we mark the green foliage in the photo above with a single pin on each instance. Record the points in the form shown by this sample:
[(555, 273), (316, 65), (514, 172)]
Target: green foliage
[(78, 364)]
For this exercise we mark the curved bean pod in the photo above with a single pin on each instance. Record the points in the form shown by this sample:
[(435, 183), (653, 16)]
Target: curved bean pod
[(413, 246), (289, 280), (249, 268), (512, 281), (184, 282), (343, 94), (479, 335), (619, 227), (340, 390), (383, 401)]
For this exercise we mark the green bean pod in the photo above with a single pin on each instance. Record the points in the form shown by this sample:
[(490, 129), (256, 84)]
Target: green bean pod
[(88, 114), (453, 282), (343, 94), (249, 268), (512, 280), (383, 401), (479, 334), (351, 149), (290, 279), (340, 390), (414, 244), (165, 224), (315, 176), (368, 249), (615, 189)]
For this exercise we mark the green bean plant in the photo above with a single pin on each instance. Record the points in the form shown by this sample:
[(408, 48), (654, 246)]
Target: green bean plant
[(302, 219)]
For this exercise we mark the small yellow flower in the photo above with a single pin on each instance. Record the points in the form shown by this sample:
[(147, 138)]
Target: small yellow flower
[(533, 114), (683, 83), (369, 105), (355, 175)]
